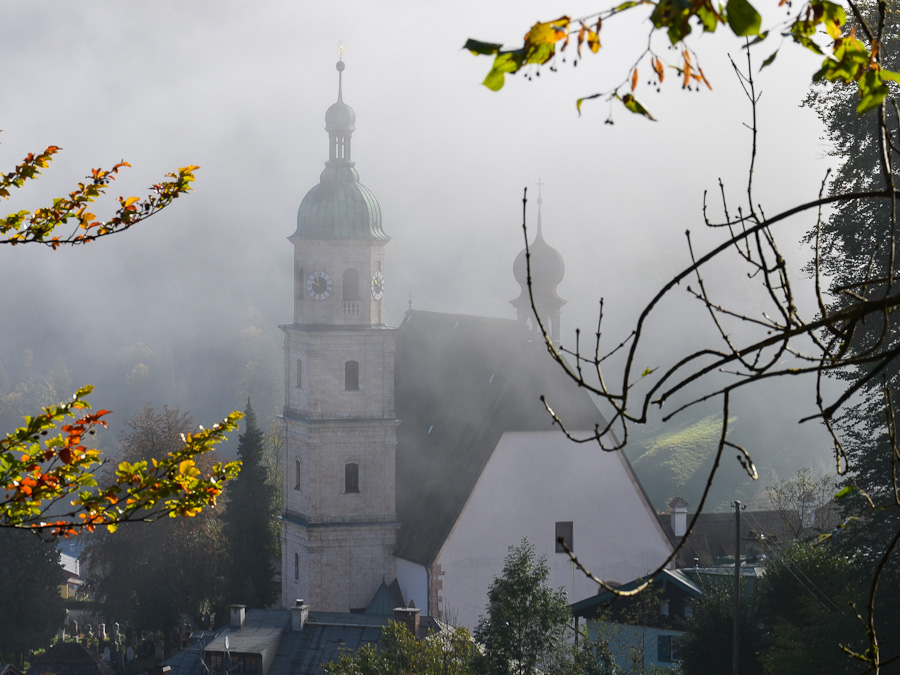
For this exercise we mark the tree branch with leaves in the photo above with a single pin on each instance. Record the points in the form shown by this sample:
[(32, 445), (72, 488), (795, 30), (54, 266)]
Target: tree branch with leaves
[(47, 461)]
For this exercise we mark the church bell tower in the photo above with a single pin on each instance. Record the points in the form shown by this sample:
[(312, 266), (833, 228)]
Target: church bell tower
[(339, 523)]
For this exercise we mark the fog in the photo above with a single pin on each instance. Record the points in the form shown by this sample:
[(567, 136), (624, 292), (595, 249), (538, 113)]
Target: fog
[(241, 90)]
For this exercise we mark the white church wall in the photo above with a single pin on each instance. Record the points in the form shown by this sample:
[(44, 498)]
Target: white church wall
[(532, 481), (413, 580)]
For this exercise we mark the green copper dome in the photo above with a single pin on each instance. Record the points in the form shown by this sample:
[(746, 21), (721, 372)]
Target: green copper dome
[(339, 207)]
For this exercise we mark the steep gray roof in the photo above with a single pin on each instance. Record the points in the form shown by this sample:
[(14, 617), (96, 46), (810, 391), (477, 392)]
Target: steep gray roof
[(460, 383)]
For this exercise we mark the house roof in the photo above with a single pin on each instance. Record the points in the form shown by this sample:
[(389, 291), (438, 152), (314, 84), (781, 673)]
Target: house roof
[(386, 598), (261, 627), (460, 383), (69, 658), (671, 580), (712, 538), (324, 638)]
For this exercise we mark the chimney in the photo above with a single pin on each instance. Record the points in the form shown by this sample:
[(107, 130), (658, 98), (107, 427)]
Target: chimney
[(237, 616), (299, 615), (409, 617), (678, 515)]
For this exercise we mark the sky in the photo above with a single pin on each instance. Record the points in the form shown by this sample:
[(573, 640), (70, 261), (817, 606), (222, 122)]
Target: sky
[(241, 89)]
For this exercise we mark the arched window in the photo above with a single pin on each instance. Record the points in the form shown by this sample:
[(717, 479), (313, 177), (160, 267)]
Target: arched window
[(296, 565), (351, 285), (299, 373), (351, 375), (351, 477), (298, 474)]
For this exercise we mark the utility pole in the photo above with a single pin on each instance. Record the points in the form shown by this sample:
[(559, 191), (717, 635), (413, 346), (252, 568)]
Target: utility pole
[(736, 631)]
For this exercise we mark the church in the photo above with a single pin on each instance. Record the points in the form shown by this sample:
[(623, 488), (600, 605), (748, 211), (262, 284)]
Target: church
[(416, 456)]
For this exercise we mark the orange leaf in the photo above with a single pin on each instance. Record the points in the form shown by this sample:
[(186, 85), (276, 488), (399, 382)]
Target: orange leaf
[(634, 79), (658, 68)]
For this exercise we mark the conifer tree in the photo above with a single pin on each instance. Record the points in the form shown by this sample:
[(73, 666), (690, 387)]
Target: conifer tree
[(249, 522)]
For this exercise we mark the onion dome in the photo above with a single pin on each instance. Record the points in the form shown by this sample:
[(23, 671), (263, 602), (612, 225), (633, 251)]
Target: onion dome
[(340, 116), (547, 270), (339, 207), (547, 266)]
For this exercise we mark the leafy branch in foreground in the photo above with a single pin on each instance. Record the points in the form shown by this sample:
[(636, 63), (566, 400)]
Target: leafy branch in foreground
[(40, 468), (848, 59), (41, 226)]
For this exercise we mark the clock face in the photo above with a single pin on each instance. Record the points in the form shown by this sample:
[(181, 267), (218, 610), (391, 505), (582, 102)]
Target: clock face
[(319, 285), (378, 285)]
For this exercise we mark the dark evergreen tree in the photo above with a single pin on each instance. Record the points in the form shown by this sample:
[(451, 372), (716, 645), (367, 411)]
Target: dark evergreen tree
[(249, 526), (31, 607)]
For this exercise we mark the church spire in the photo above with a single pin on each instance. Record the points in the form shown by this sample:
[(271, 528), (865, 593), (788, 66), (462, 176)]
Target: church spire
[(340, 121), (547, 271), (339, 207)]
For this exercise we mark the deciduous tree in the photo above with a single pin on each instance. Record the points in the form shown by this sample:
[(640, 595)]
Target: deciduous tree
[(400, 652), (152, 578), (526, 620)]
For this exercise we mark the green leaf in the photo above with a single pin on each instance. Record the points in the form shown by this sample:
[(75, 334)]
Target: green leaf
[(709, 18), (768, 61), (586, 98), (872, 91), (743, 18), (479, 47), (507, 62), (845, 491), (634, 106)]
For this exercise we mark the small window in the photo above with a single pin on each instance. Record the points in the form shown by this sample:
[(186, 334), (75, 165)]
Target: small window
[(296, 565), (564, 536), (299, 373), (298, 474), (351, 376), (666, 648), (351, 285), (299, 281), (351, 477)]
